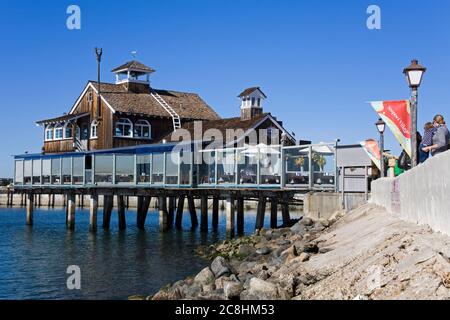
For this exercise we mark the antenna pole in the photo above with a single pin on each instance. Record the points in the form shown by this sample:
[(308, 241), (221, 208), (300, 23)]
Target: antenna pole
[(98, 53)]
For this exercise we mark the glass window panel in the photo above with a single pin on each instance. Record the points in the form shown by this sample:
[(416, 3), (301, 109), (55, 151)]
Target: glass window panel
[(226, 167), (37, 171), (67, 170), (19, 172), (78, 170), (185, 168), (158, 168), (103, 168), (172, 160), (247, 160), (143, 168), (27, 171), (46, 171), (324, 172), (56, 171), (124, 169), (297, 166), (207, 170), (270, 166)]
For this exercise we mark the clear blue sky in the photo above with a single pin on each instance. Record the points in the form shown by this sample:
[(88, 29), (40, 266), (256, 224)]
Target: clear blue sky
[(316, 60)]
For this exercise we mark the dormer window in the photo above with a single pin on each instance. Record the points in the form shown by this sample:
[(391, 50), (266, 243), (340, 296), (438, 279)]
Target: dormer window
[(124, 128), (142, 129), (67, 131), (59, 132), (49, 133)]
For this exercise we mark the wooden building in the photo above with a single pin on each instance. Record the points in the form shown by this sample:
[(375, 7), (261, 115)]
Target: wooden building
[(131, 112)]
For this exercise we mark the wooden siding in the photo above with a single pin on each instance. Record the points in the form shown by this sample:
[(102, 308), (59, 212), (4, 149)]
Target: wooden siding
[(58, 146)]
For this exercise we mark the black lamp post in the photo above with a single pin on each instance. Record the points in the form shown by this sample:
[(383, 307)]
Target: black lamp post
[(381, 126), (414, 74)]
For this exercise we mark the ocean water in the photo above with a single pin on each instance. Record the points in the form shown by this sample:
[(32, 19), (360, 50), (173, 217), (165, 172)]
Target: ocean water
[(114, 264)]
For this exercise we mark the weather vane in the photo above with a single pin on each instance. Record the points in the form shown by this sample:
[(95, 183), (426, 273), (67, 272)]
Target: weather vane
[(133, 54)]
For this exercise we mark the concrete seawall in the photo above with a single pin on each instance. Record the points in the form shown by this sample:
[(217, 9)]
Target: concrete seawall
[(421, 195)]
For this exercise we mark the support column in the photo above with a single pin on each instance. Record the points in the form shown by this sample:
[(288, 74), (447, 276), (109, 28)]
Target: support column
[(39, 200), (204, 214), (107, 209), (142, 210), (273, 213), (240, 216), (180, 208), (171, 217), (215, 213), (230, 217), (71, 211), (121, 213), (193, 212), (21, 199), (93, 208), (163, 214), (260, 213), (82, 201), (30, 207), (285, 213)]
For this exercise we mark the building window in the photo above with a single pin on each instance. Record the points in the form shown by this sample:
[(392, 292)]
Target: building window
[(68, 131), (124, 128), (253, 101), (142, 129), (94, 129), (90, 97), (258, 102), (49, 133), (59, 130)]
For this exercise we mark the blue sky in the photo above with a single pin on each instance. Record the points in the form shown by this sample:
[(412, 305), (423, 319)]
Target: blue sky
[(316, 60)]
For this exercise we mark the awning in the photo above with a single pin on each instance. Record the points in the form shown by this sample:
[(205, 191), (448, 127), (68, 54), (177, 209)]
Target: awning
[(63, 119)]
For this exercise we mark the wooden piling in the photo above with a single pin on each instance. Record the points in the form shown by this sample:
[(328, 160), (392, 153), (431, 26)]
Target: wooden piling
[(193, 212), (260, 213), (107, 209), (240, 216), (204, 214), (71, 211), (93, 209), (21, 199), (82, 201), (171, 216), (39, 200), (180, 209), (285, 213), (230, 209), (121, 213), (215, 213), (163, 214), (142, 210), (30, 208), (273, 213)]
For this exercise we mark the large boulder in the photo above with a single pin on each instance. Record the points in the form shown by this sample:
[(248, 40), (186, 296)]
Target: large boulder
[(260, 290), (232, 289), (205, 277), (220, 267)]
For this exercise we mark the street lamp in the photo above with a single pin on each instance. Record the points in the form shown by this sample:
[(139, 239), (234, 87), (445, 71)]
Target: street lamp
[(414, 74), (381, 126)]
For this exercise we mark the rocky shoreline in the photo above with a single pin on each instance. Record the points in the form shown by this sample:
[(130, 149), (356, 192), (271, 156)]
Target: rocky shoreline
[(365, 254), (266, 265)]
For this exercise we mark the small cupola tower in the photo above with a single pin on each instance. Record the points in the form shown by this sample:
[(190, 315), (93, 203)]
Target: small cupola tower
[(251, 103), (134, 75)]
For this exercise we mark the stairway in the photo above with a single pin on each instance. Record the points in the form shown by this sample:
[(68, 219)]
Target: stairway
[(175, 117), (78, 145)]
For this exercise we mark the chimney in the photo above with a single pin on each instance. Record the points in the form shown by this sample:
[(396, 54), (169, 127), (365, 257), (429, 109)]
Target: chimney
[(251, 103)]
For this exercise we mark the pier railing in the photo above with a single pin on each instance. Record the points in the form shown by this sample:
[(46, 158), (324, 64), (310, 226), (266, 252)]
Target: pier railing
[(304, 167)]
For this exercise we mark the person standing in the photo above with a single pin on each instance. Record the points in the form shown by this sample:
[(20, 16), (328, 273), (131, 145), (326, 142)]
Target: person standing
[(427, 141), (440, 138)]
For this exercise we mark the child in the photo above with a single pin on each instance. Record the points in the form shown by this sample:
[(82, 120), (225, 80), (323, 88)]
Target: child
[(427, 141)]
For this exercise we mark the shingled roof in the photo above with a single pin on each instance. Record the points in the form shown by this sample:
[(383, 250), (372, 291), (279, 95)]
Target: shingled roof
[(135, 66), (186, 105), (249, 91), (222, 125)]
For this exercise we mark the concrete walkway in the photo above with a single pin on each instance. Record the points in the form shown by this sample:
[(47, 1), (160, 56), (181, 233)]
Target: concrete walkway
[(374, 255)]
